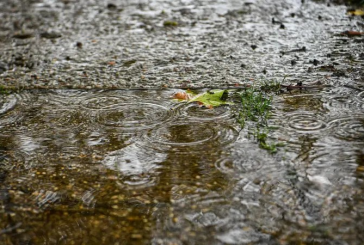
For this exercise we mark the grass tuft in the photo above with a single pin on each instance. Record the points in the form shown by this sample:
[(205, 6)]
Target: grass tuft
[(6, 90), (256, 110)]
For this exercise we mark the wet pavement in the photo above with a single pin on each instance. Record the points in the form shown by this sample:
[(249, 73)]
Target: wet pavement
[(129, 165), (162, 44)]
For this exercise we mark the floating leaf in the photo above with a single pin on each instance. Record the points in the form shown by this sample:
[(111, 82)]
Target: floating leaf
[(208, 99), (181, 96), (212, 98), (352, 33), (184, 95), (358, 12)]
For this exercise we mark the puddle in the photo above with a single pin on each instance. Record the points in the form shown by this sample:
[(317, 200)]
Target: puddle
[(142, 168)]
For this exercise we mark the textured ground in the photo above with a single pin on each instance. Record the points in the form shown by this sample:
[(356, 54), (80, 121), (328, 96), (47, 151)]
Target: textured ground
[(164, 44)]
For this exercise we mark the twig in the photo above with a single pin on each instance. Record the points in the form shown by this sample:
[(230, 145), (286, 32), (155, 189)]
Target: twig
[(353, 87), (304, 87)]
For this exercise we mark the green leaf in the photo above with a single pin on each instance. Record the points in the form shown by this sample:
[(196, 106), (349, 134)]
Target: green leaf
[(212, 98)]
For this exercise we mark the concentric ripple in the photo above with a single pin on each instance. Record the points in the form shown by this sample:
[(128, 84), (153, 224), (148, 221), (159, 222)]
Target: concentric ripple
[(308, 102), (192, 133), (7, 103), (69, 93), (140, 181), (350, 128), (249, 163), (245, 159), (342, 102), (361, 96), (341, 99), (306, 122), (243, 163), (196, 112), (136, 165), (211, 199), (60, 119), (134, 116), (225, 165), (67, 97), (8, 114), (107, 102)]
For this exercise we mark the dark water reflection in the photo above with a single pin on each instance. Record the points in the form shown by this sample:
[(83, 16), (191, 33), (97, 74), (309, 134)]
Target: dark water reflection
[(134, 167)]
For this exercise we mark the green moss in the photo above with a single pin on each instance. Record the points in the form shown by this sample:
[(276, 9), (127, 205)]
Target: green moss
[(129, 63), (169, 23)]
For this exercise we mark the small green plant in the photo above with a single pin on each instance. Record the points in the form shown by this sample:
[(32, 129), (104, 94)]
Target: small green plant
[(169, 23), (262, 137), (6, 90), (271, 87), (256, 109)]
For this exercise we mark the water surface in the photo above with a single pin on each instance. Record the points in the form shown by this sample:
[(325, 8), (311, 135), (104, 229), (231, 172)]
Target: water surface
[(135, 167)]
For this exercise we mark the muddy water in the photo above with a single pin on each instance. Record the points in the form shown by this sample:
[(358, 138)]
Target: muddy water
[(135, 167)]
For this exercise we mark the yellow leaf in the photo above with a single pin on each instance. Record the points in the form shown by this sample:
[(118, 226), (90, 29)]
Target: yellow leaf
[(358, 12)]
